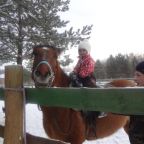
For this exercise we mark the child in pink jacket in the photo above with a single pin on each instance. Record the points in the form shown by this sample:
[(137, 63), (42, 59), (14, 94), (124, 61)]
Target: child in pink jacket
[(83, 76), (83, 73)]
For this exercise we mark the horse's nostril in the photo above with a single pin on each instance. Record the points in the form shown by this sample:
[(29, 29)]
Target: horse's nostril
[(37, 73), (46, 74)]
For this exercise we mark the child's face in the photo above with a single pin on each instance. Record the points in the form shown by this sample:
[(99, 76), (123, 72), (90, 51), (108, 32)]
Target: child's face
[(82, 52)]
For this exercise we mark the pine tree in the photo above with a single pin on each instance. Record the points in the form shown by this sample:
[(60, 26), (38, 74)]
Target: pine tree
[(100, 72), (111, 67), (25, 23), (122, 69)]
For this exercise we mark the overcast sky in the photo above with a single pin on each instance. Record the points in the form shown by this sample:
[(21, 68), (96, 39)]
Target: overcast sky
[(118, 25)]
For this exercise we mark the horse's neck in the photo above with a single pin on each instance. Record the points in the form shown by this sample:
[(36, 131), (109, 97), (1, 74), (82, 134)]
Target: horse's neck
[(61, 79)]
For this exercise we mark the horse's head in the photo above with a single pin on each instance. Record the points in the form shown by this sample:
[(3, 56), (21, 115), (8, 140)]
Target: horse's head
[(45, 65)]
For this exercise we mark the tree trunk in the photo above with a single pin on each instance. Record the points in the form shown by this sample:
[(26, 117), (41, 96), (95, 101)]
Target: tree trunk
[(20, 38)]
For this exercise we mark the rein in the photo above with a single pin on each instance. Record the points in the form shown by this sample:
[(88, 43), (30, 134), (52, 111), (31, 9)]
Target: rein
[(50, 77)]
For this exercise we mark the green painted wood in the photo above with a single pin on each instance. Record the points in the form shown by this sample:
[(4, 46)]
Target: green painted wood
[(116, 100)]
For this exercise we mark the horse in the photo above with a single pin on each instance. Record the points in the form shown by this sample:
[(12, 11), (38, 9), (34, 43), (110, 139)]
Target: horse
[(66, 124)]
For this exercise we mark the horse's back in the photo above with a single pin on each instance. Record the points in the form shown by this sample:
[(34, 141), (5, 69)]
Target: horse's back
[(121, 83)]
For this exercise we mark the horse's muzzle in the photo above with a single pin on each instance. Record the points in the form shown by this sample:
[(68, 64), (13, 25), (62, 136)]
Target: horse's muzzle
[(43, 74)]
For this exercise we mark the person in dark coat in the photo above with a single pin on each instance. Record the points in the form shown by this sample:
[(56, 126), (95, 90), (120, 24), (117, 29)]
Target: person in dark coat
[(136, 129)]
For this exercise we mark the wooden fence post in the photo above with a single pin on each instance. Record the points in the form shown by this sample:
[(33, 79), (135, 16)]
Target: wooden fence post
[(14, 132)]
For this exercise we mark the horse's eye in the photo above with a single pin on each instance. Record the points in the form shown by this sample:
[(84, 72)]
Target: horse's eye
[(35, 54)]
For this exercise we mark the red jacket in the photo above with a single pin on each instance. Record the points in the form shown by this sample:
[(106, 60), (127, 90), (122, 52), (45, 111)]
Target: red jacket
[(85, 66)]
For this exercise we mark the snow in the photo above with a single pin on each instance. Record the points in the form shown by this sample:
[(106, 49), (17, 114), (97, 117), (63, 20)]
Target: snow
[(34, 126)]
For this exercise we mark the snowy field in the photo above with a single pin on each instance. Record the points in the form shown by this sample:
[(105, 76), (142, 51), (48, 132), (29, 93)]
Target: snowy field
[(34, 126)]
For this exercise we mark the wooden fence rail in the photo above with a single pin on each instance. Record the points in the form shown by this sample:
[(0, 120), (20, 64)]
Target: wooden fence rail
[(116, 100), (122, 100)]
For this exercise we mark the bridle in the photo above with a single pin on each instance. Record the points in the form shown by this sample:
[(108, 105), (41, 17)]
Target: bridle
[(49, 79)]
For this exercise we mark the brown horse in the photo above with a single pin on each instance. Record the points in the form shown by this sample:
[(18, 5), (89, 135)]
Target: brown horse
[(66, 124)]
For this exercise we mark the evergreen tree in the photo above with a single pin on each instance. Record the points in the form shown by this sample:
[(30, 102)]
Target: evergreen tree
[(25, 23), (122, 69), (100, 70), (111, 67), (120, 66)]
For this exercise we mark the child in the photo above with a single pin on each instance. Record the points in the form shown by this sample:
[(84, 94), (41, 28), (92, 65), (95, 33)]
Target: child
[(82, 74)]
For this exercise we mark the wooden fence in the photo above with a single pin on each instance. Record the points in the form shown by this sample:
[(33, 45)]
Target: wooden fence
[(117, 100)]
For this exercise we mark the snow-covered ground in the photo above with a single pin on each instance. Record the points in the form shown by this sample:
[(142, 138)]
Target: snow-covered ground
[(34, 126)]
